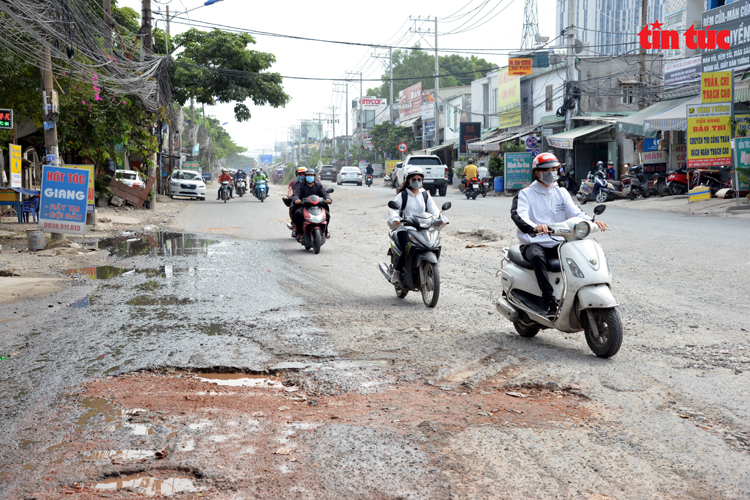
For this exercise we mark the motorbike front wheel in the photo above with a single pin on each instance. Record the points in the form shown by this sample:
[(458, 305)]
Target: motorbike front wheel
[(662, 189), (430, 283), (608, 338), (601, 197), (262, 196), (316, 240)]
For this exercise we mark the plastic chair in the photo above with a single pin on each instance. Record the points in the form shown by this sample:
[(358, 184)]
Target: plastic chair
[(30, 207)]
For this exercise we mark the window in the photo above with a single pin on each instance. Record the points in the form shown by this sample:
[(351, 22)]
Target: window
[(628, 92), (425, 161), (548, 98), (674, 22)]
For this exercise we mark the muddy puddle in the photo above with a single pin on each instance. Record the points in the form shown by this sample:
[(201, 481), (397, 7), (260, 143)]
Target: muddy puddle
[(240, 380), (161, 243), (98, 272), (121, 455), (150, 486), (102, 411)]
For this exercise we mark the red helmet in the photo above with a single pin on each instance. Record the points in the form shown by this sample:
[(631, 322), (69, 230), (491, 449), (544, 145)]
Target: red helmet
[(544, 161)]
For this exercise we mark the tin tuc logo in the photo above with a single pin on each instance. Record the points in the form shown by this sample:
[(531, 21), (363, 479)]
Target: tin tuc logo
[(653, 37)]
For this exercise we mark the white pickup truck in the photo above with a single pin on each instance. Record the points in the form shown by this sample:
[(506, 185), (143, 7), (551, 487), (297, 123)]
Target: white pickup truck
[(435, 172)]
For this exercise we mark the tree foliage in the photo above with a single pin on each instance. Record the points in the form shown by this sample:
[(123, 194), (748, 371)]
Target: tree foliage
[(195, 74), (413, 64), (387, 137)]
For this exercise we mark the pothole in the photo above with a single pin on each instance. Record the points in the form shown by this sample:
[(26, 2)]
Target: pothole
[(98, 272), (150, 486), (241, 380), (113, 418), (162, 243)]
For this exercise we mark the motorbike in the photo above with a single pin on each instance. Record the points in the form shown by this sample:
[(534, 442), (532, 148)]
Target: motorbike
[(582, 281), (422, 255), (677, 182), (314, 222), (634, 183), (224, 191), (240, 186), (484, 187), (261, 190), (597, 190), (368, 179), (660, 184), (472, 188)]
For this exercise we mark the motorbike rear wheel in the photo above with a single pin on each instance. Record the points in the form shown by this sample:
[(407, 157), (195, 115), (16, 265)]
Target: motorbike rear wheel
[(645, 193), (429, 278), (662, 189), (317, 240), (601, 197), (676, 189), (609, 330)]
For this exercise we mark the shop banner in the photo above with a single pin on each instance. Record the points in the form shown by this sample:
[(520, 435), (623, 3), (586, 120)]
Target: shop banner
[(653, 157), (742, 122), (716, 87), (518, 66), (732, 17), (429, 129), (708, 135), (15, 166), (90, 200), (742, 164), (677, 156), (64, 199), (192, 165), (389, 166), (682, 71), (651, 144), (517, 170), (6, 119), (508, 99), (410, 101), (468, 131)]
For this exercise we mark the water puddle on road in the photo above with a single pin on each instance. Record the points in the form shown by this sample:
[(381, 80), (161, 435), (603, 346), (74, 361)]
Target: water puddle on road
[(162, 243), (240, 380), (114, 418), (121, 455), (150, 486), (98, 272)]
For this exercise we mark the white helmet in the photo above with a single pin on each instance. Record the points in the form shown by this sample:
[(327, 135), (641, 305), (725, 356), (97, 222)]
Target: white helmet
[(223, 169), (414, 170)]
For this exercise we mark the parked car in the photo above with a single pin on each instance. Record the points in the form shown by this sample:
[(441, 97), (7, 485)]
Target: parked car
[(206, 176), (435, 172), (131, 178), (187, 183), (349, 174), (328, 173)]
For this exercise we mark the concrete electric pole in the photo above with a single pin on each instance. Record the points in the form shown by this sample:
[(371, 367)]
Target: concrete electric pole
[(436, 130), (390, 80), (360, 127), (339, 88), (642, 70)]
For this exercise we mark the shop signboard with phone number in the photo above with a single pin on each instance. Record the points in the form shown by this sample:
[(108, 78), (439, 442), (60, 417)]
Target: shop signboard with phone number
[(708, 135), (63, 200), (517, 170)]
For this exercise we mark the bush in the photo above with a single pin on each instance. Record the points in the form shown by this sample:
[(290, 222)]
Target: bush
[(496, 166)]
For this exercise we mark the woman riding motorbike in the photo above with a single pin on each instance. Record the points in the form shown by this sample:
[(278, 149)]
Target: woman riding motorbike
[(412, 199)]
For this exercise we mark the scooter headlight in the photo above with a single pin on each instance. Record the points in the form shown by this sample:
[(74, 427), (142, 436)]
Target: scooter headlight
[(582, 229)]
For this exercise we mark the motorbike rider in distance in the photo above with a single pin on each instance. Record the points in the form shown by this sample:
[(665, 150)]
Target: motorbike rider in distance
[(412, 199), (533, 208), (470, 172), (482, 172), (300, 178), (225, 177), (302, 191)]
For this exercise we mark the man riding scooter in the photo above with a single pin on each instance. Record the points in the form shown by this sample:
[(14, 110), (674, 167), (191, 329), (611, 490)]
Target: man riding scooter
[(225, 176), (470, 172), (533, 208), (302, 191)]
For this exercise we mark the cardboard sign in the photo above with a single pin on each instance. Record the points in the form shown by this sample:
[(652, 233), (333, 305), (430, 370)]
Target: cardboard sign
[(708, 133), (15, 166), (64, 199)]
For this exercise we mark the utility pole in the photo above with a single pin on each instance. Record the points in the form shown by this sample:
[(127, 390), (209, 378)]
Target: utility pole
[(339, 88), (360, 126), (390, 66), (570, 72), (436, 130), (52, 156), (320, 136), (171, 126), (642, 69), (146, 25), (107, 7), (333, 119)]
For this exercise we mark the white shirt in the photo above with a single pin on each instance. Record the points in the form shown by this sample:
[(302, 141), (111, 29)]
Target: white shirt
[(483, 172), (545, 205), (414, 205)]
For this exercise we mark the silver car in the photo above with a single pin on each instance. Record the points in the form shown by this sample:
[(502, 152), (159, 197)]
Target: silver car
[(187, 183), (349, 174)]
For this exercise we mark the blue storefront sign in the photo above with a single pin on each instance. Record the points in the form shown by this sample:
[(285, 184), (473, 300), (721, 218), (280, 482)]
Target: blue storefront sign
[(651, 144), (429, 129), (63, 200)]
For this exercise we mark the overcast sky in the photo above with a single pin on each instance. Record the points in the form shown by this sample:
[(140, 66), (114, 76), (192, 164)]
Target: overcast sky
[(385, 22)]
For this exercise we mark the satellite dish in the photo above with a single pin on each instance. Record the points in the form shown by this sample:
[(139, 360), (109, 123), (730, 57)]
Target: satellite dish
[(577, 47)]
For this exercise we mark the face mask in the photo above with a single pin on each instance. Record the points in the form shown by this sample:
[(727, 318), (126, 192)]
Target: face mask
[(415, 184), (301, 177), (549, 177), (310, 178)]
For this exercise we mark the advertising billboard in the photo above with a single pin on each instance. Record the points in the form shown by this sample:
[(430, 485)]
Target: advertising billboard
[(63, 200), (468, 131), (517, 170), (732, 17), (410, 101), (508, 99), (708, 135), (519, 66), (682, 71)]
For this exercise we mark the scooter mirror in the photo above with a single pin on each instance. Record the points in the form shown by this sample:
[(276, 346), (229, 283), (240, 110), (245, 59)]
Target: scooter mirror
[(446, 205), (329, 190), (392, 204), (599, 209)]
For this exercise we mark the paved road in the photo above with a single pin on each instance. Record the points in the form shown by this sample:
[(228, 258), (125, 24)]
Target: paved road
[(667, 417)]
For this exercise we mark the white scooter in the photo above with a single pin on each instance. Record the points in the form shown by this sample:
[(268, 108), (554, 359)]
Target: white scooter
[(581, 279)]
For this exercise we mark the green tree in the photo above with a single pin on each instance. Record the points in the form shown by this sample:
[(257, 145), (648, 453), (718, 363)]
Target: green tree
[(217, 66), (387, 137), (409, 66)]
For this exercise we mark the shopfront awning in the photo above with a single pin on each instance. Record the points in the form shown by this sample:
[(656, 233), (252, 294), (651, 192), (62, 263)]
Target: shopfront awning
[(634, 124), (447, 144), (492, 139), (409, 122), (564, 140), (674, 118)]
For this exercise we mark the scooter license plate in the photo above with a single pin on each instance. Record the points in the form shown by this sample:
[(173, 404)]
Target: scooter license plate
[(475, 186)]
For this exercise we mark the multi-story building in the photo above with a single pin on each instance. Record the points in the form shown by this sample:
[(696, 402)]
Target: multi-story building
[(608, 27)]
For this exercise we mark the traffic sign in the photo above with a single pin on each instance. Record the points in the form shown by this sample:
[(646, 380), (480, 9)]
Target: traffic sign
[(531, 142), (403, 147)]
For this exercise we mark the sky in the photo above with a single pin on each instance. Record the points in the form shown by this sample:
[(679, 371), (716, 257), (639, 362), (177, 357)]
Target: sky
[(386, 22)]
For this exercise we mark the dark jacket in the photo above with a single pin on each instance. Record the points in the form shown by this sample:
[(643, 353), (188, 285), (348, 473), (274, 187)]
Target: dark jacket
[(303, 190)]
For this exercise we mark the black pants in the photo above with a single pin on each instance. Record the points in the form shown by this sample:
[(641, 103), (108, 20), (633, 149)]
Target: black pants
[(402, 237), (230, 191), (299, 218), (538, 255)]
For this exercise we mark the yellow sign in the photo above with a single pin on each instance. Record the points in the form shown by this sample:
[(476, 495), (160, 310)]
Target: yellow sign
[(742, 123), (508, 99), (699, 193), (15, 166), (716, 87), (519, 66), (90, 168), (708, 135), (389, 166)]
